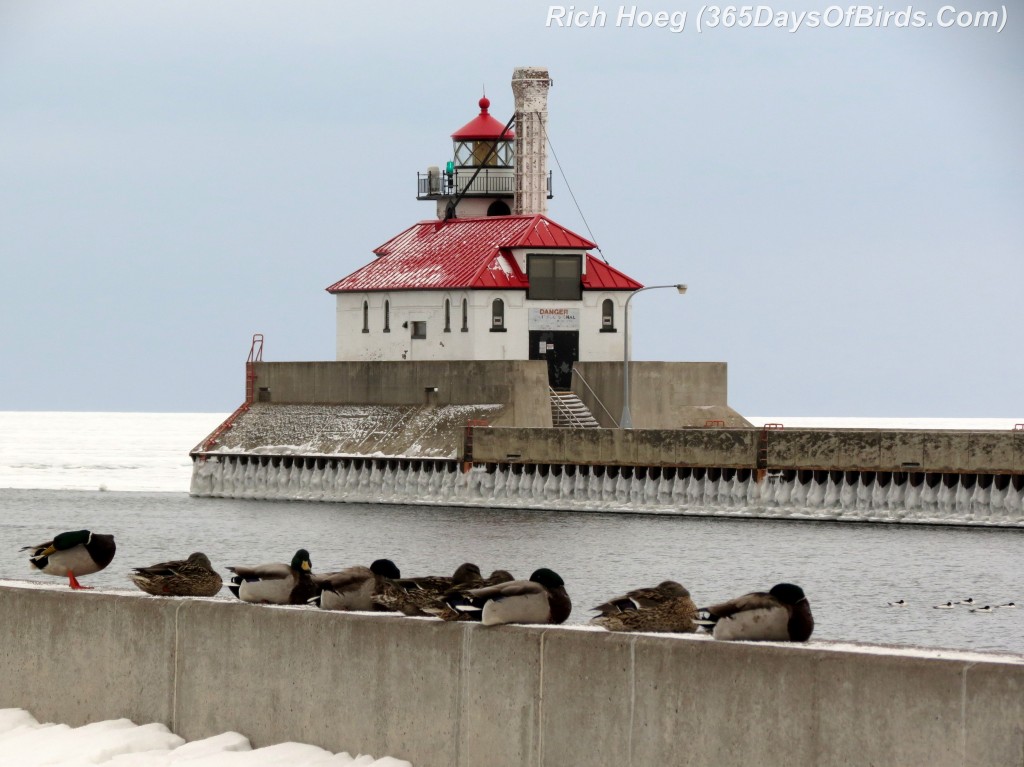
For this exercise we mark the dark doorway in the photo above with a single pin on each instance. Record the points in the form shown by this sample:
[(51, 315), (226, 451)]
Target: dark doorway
[(499, 208), (560, 348)]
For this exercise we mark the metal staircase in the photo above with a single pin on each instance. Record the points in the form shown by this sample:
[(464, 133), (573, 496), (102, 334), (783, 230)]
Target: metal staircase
[(569, 412)]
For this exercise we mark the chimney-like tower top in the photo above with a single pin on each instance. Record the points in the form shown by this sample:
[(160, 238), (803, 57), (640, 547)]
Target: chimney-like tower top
[(530, 89)]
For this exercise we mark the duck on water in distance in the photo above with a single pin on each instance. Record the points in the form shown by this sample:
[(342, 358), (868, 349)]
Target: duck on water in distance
[(192, 577), (666, 607), (276, 583), (780, 615), (73, 553)]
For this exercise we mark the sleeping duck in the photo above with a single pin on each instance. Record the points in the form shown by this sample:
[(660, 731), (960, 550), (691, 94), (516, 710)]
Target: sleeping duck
[(665, 607), (423, 596), (275, 584), (192, 577), (781, 615), (78, 552), (458, 595), (542, 599), (355, 588)]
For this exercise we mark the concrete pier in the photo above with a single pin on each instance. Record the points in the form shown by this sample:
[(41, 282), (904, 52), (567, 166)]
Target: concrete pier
[(907, 451), (399, 431), (451, 695)]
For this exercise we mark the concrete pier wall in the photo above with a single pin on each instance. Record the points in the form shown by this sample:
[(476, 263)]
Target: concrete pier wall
[(665, 394), (618, 447), (521, 387), (451, 695), (988, 452)]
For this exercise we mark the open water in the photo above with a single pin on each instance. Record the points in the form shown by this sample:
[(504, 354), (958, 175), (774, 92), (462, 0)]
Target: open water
[(53, 466)]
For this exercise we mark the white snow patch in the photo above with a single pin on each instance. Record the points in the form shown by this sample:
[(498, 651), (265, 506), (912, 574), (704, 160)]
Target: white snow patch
[(25, 742)]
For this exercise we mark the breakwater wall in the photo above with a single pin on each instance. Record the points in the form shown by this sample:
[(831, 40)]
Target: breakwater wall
[(942, 477), (671, 394), (452, 695), (894, 451)]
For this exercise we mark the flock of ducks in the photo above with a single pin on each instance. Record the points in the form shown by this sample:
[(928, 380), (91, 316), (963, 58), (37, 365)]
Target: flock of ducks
[(968, 602), (781, 614)]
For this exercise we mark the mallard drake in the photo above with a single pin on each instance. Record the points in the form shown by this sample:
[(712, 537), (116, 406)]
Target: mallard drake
[(78, 552), (276, 584), (354, 588), (665, 607), (192, 577), (423, 596), (542, 599), (442, 607), (783, 614)]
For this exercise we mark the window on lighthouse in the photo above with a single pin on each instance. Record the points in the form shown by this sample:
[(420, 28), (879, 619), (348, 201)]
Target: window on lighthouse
[(387, 316), (366, 317), (497, 316), (465, 315), (558, 278), (484, 154), (447, 315), (607, 316)]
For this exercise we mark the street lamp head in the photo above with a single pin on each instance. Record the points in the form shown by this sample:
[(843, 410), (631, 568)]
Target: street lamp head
[(681, 289)]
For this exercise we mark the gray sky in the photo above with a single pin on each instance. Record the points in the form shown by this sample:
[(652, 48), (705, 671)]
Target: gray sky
[(845, 203)]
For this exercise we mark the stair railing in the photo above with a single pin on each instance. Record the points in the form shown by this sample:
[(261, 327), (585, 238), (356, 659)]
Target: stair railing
[(564, 411), (593, 394)]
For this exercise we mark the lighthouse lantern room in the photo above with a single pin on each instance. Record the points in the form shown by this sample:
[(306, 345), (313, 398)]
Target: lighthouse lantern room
[(479, 180), (492, 277)]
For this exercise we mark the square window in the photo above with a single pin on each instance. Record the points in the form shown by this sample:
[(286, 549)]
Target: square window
[(557, 278), (419, 328)]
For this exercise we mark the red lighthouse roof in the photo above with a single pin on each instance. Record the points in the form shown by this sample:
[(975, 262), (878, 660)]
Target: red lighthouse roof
[(483, 127), (473, 253)]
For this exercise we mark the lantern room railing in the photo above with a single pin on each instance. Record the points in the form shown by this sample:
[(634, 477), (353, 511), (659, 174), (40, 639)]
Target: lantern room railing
[(436, 183)]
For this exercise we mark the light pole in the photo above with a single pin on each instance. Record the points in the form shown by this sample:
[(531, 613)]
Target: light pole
[(626, 422)]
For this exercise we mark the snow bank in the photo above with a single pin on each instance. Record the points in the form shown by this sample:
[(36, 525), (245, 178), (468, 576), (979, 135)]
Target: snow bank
[(24, 742)]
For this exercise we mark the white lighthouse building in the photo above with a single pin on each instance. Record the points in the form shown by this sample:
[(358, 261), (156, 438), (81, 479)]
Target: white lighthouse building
[(491, 277)]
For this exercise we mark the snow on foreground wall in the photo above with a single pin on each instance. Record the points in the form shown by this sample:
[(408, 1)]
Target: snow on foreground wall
[(24, 742), (428, 483)]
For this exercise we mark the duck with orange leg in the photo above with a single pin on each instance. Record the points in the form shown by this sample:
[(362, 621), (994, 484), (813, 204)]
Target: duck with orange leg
[(73, 553)]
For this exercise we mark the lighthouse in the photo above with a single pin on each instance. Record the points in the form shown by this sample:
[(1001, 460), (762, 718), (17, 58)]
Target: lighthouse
[(490, 277)]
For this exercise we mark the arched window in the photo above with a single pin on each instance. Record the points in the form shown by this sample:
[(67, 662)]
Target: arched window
[(447, 315), (497, 316), (607, 316), (387, 316), (465, 315), (366, 316)]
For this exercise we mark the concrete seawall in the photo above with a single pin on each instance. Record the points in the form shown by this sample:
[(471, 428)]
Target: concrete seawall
[(448, 695), (963, 452)]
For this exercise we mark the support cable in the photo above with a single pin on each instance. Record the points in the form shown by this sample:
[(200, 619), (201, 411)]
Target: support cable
[(566, 181)]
